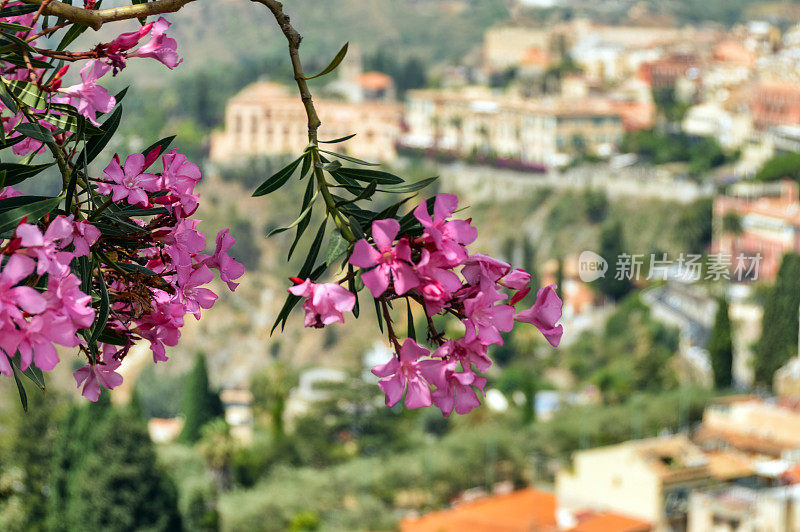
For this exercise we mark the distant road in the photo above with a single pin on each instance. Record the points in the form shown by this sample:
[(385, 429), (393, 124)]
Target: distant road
[(481, 183)]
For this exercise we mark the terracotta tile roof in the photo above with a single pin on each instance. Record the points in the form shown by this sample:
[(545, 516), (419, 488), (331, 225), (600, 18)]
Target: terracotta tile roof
[(375, 81), (606, 522), (524, 511)]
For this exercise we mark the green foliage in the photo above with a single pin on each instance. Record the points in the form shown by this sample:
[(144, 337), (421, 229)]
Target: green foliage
[(612, 246), (785, 165), (779, 326), (693, 229), (158, 393), (732, 223), (596, 205), (631, 354), (199, 404), (720, 347), (270, 388), (702, 153), (105, 475)]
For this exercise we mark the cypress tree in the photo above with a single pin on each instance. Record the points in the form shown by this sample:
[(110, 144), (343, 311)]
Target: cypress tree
[(116, 484), (200, 404), (720, 347), (779, 327), (612, 246)]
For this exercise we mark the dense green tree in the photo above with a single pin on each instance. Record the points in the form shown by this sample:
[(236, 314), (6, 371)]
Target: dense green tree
[(612, 246), (116, 484), (270, 388), (779, 327), (780, 167), (693, 229), (720, 347), (68, 454), (200, 404), (34, 434)]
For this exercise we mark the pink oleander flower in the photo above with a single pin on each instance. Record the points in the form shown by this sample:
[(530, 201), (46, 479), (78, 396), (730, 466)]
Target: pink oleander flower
[(544, 314), (437, 282), (162, 326), (457, 390), (390, 263), (180, 178), (14, 300), (103, 373), (88, 97), (124, 42), (130, 181), (407, 371), (192, 294), (160, 47), (9, 192), (228, 267), (489, 318), (64, 297), (84, 235), (34, 340), (183, 243), (451, 236), (324, 303), (468, 350), (46, 247)]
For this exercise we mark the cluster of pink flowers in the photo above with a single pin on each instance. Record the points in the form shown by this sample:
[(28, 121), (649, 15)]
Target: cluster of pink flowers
[(41, 303), (88, 97), (436, 270), (31, 321), (170, 246)]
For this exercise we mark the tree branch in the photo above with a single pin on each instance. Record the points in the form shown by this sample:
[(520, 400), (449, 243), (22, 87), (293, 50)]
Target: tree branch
[(294, 39), (96, 18)]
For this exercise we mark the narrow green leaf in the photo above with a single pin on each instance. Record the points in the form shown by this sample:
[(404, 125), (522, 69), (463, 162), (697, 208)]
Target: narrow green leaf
[(306, 165), (332, 166), (378, 314), (162, 145), (110, 336), (337, 245), (410, 318), (299, 219), (34, 131), (73, 33), (313, 251), (16, 11), (96, 144), (102, 312), (11, 218), (7, 100), (28, 94), (14, 26), (304, 221), (411, 187), (351, 286), (349, 158), (335, 141), (17, 173), (23, 395), (278, 179), (365, 174), (32, 372), (333, 64)]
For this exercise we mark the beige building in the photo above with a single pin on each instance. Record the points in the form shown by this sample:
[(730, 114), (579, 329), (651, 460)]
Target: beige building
[(753, 425), (269, 119), (547, 131), (739, 509), (646, 479)]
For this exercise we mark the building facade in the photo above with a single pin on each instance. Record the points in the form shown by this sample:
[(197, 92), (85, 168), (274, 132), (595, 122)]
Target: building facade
[(267, 119), (547, 131)]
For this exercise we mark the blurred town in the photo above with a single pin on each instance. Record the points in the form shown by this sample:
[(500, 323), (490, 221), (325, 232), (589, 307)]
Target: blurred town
[(647, 161)]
